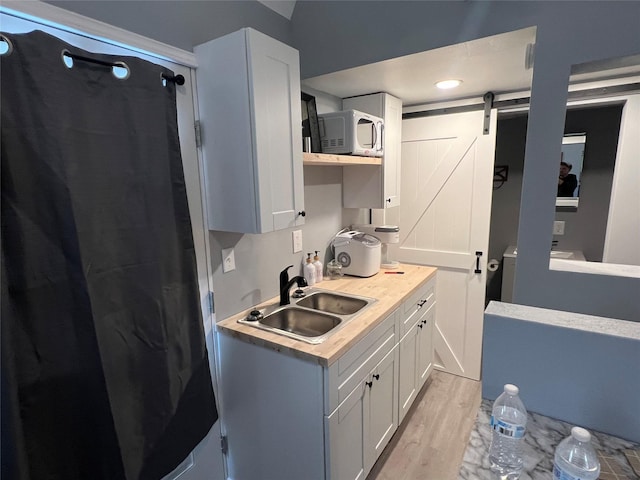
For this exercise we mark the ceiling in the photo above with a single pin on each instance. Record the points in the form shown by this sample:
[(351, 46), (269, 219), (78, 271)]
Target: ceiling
[(498, 64), (283, 7), (494, 64)]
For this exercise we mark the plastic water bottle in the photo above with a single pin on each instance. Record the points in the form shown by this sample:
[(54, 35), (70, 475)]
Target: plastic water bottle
[(508, 425), (575, 457)]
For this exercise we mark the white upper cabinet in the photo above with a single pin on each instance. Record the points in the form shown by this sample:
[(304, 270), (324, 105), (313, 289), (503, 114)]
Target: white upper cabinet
[(367, 186), (248, 88)]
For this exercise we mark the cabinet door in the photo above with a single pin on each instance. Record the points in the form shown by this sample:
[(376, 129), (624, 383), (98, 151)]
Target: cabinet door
[(369, 186), (425, 345), (382, 407), (408, 370), (346, 444), (249, 106), (275, 84)]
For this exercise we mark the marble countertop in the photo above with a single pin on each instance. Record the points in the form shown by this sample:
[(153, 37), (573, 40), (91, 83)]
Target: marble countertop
[(542, 436)]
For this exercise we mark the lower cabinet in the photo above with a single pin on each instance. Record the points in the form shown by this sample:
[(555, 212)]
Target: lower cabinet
[(425, 342), (415, 360), (346, 445), (382, 377), (363, 424), (381, 407), (289, 418), (359, 428)]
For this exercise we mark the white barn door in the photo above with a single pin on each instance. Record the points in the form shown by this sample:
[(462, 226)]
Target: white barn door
[(447, 172)]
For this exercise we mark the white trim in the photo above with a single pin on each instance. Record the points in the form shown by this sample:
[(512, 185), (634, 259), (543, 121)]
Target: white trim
[(44, 13)]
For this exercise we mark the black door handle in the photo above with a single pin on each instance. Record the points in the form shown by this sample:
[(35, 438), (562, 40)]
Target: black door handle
[(478, 255)]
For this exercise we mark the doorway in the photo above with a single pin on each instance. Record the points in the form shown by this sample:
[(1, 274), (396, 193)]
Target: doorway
[(584, 225)]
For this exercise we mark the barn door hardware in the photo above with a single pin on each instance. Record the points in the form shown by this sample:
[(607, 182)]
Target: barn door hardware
[(488, 105), (478, 255)]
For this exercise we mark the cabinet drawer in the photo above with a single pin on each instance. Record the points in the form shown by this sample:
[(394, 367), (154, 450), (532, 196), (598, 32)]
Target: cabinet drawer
[(350, 369), (417, 303)]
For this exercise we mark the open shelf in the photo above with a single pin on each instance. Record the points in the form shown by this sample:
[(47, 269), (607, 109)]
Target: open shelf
[(338, 160)]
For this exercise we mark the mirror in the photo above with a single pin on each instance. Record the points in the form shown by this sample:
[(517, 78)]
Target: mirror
[(571, 164)]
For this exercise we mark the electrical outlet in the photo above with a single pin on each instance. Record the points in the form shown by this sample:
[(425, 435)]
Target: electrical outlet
[(228, 260), (558, 228), (297, 240)]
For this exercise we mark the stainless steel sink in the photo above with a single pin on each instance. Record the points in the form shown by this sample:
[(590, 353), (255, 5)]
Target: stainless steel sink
[(313, 318), (333, 303), (300, 321)]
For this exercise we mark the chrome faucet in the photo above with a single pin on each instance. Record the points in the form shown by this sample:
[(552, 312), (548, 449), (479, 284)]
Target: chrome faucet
[(286, 284)]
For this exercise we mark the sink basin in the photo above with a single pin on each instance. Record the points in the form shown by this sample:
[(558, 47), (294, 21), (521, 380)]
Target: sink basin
[(313, 318), (299, 321), (333, 303)]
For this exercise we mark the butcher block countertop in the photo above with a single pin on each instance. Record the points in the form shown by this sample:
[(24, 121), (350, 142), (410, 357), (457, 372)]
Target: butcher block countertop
[(389, 289)]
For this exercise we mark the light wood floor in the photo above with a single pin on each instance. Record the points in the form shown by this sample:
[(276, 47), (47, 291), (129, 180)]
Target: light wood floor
[(430, 443)]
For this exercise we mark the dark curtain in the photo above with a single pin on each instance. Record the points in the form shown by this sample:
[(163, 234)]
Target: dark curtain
[(105, 373)]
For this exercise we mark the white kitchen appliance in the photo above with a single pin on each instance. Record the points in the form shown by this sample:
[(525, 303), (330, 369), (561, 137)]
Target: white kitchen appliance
[(387, 234), (357, 252), (351, 132)]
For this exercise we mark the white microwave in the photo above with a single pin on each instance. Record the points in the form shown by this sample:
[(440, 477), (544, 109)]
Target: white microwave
[(351, 132)]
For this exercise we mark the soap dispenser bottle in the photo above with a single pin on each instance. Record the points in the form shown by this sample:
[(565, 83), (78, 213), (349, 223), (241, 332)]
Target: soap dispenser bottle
[(318, 264), (309, 271)]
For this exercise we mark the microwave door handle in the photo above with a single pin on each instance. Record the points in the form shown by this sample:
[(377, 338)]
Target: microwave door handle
[(374, 135), (381, 136)]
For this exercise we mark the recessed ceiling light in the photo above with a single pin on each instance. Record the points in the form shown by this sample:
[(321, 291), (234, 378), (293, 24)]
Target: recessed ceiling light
[(446, 84)]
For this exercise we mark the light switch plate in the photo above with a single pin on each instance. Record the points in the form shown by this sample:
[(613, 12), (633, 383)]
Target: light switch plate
[(228, 260), (296, 235), (558, 227)]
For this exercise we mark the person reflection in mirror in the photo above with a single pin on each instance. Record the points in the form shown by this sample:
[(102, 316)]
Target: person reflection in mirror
[(567, 182)]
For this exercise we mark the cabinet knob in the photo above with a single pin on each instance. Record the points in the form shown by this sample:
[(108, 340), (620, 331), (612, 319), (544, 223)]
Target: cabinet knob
[(388, 200), (424, 322), (369, 384), (302, 213), (376, 376), (421, 303), (420, 326)]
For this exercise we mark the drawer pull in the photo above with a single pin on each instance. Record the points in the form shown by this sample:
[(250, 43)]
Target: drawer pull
[(421, 303)]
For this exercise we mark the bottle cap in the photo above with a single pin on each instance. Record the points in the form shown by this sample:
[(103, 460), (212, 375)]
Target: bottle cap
[(581, 434), (510, 389), (316, 256)]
